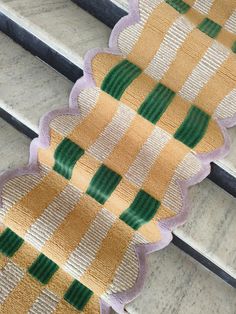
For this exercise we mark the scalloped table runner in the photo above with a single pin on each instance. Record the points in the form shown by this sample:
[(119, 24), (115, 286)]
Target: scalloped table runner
[(108, 177)]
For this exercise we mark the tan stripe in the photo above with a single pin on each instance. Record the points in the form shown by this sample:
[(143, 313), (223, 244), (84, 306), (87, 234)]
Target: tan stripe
[(101, 272), (93, 306), (150, 232), (59, 283), (22, 215), (46, 156), (64, 307), (220, 85), (174, 115), (194, 16), (121, 198), (212, 140), (3, 261), (84, 171), (164, 213), (22, 297), (86, 133), (25, 256), (187, 58), (102, 64), (156, 27), (129, 146), (226, 38), (162, 171), (138, 91), (221, 10), (190, 2), (69, 234)]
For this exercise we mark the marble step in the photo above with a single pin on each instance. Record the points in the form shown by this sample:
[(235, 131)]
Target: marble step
[(31, 88), (54, 22), (175, 282)]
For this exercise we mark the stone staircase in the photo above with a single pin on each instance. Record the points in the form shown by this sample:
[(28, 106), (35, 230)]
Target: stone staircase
[(42, 45)]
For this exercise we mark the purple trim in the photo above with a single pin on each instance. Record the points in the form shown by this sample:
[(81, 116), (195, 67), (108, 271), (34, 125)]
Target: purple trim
[(119, 300)]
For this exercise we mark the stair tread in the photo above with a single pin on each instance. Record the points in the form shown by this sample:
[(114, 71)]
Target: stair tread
[(181, 284)]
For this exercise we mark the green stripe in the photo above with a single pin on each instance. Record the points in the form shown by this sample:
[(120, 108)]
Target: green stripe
[(156, 103), (119, 78), (141, 211), (193, 127), (66, 156), (9, 242), (210, 27), (78, 295), (179, 5), (234, 47), (103, 184), (43, 269)]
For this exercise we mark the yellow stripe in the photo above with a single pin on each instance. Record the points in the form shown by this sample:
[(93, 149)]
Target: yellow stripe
[(68, 235), (129, 146), (221, 10), (101, 272), (158, 180), (23, 214), (86, 133), (187, 58), (22, 297), (156, 27)]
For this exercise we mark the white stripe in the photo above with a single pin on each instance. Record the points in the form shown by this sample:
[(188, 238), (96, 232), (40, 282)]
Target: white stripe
[(203, 6), (189, 167), (227, 107), (173, 40), (127, 272), (206, 68), (52, 217), (230, 24), (10, 276), (87, 100), (86, 251), (46, 303), (140, 168), (21, 186), (112, 134)]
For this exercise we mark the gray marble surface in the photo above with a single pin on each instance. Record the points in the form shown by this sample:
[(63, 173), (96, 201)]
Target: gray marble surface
[(61, 24), (175, 282), (71, 31), (29, 88)]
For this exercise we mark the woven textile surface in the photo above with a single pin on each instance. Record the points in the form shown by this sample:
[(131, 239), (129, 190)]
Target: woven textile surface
[(107, 178)]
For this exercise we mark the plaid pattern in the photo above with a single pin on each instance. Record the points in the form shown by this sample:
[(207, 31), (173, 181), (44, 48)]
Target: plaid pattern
[(111, 173)]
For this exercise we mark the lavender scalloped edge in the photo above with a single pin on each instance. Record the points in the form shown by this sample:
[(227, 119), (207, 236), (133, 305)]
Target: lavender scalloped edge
[(118, 301)]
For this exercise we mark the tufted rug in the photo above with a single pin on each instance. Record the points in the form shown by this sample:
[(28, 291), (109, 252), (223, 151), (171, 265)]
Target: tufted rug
[(108, 176)]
